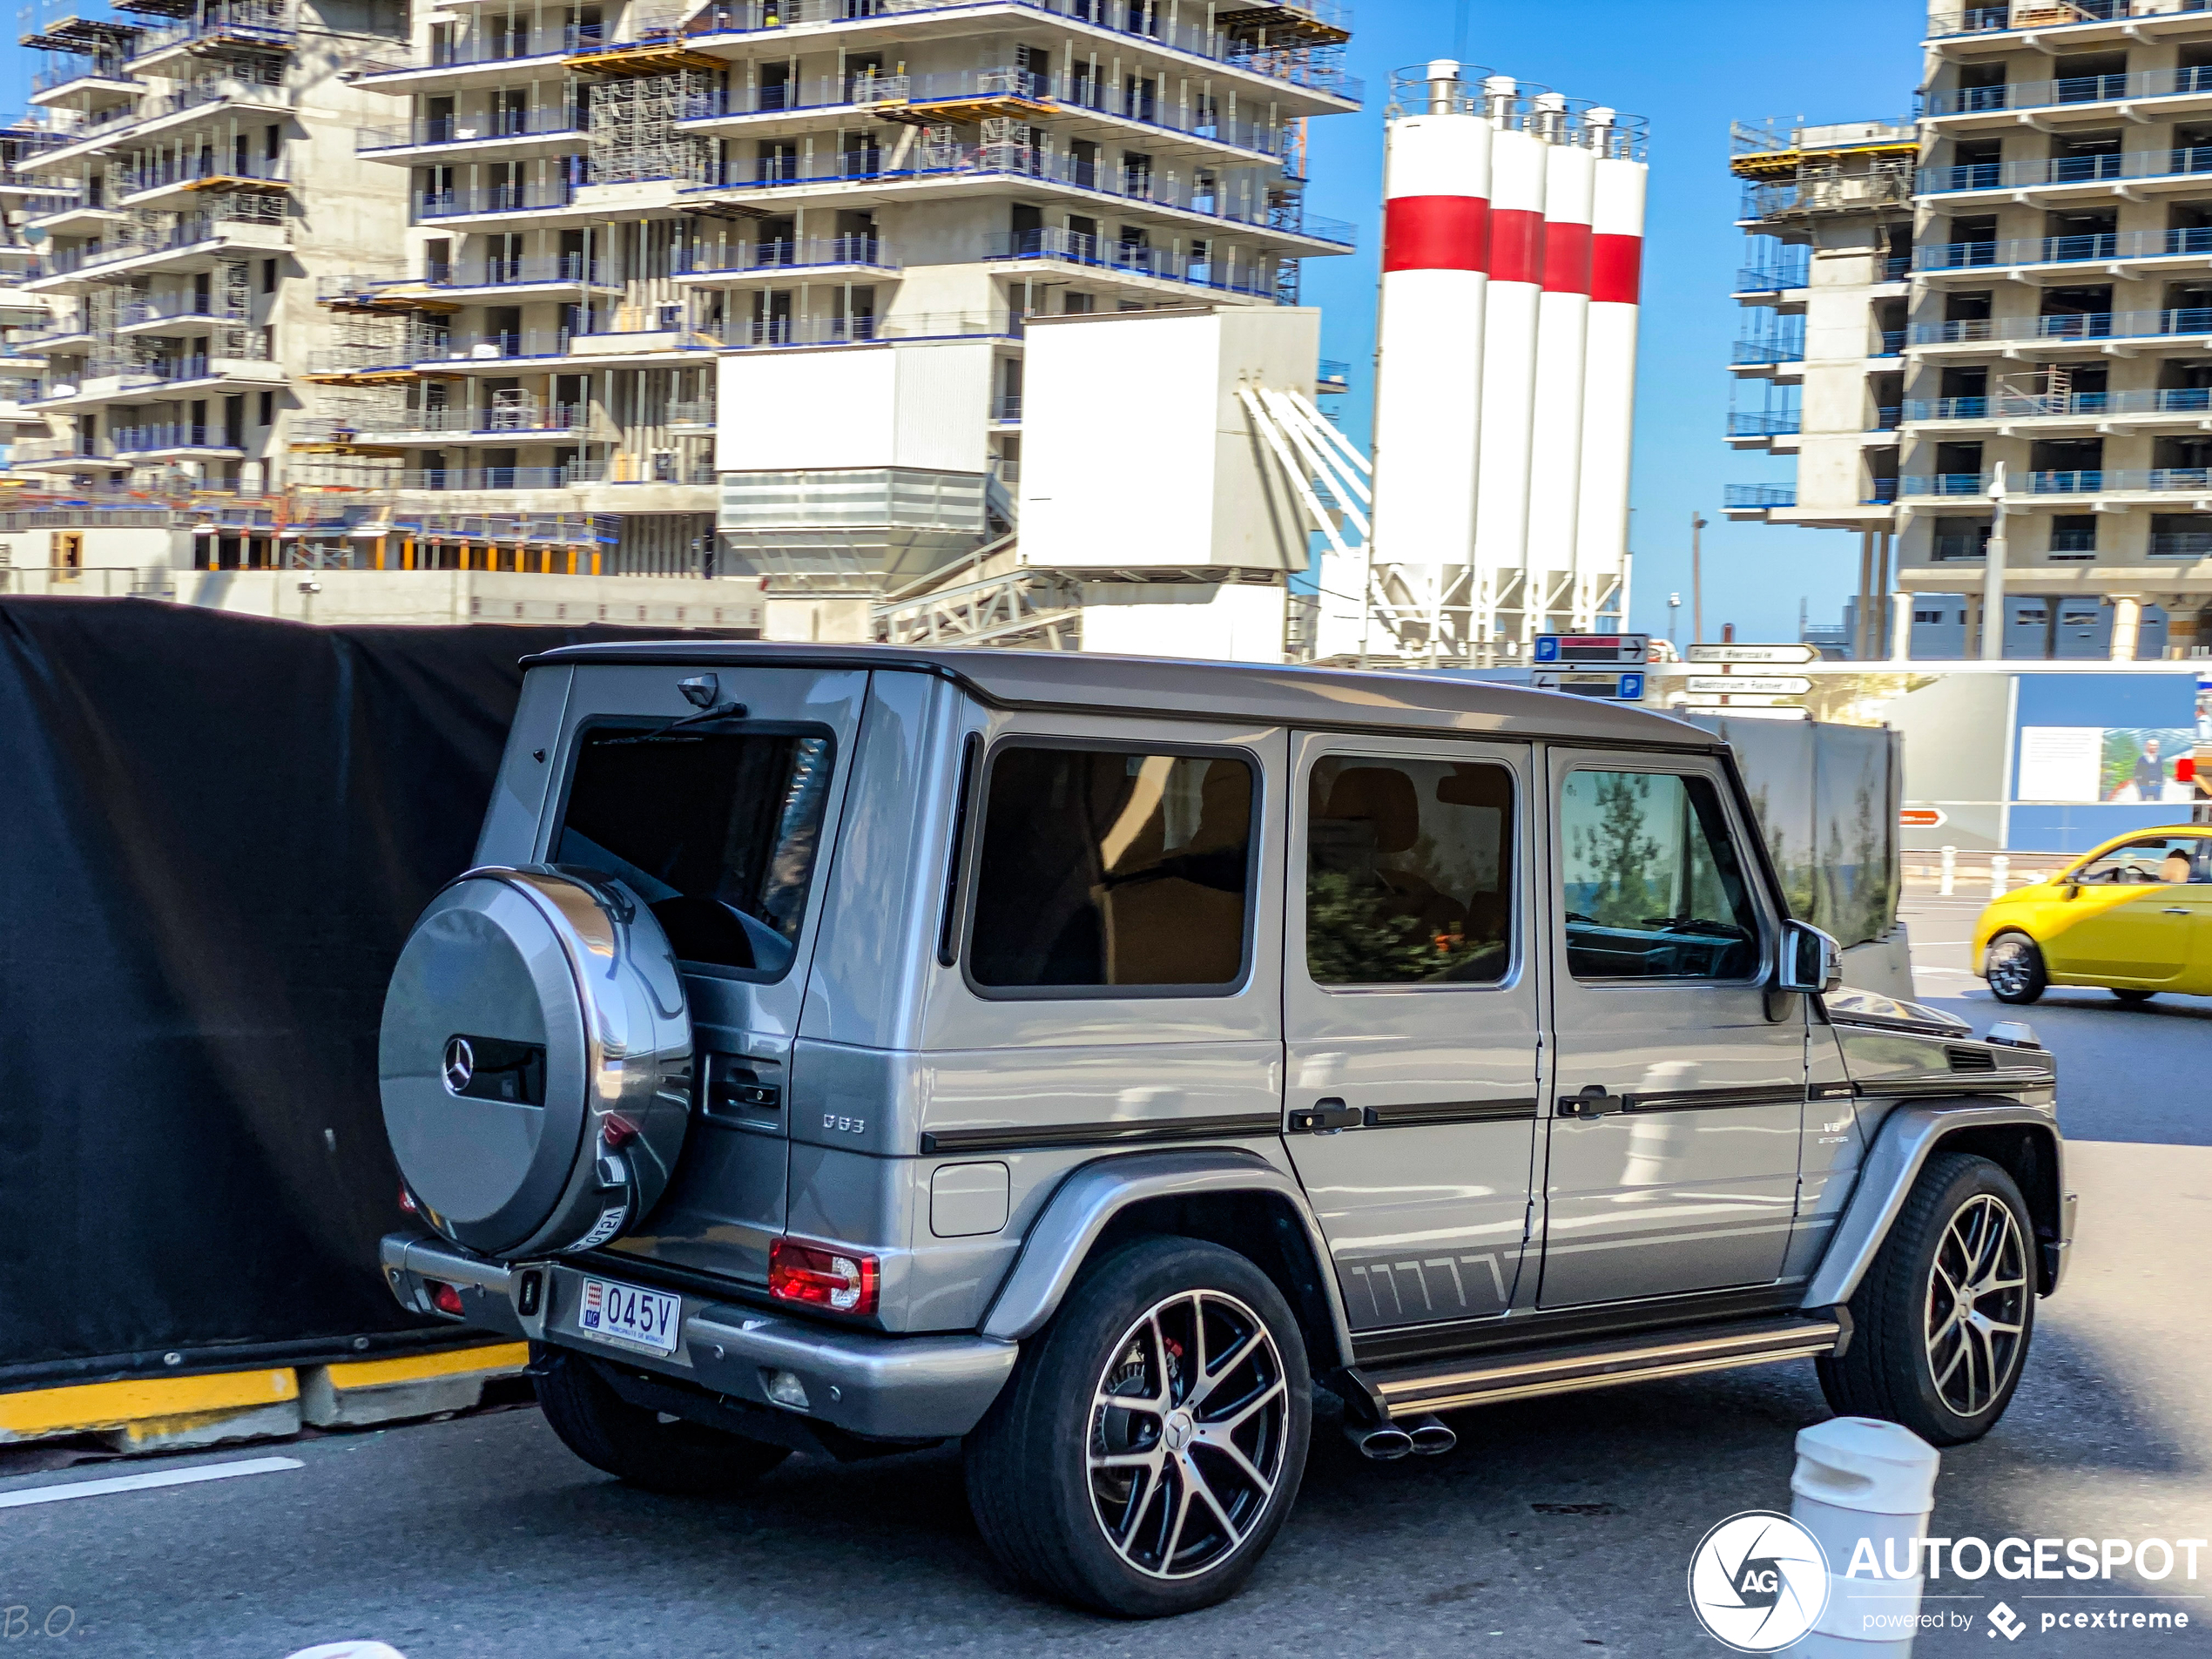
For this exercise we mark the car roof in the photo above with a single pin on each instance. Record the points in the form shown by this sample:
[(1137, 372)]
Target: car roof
[(1275, 694)]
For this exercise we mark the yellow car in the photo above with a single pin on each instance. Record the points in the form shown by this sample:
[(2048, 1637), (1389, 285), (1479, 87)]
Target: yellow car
[(2135, 915)]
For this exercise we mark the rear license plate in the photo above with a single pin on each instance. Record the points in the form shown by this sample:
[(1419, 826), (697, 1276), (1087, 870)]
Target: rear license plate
[(646, 1320)]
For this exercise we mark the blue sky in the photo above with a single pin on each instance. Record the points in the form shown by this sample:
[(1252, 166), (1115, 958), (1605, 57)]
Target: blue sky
[(1690, 69)]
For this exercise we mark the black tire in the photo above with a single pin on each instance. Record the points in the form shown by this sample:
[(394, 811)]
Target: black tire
[(1130, 1326), (2015, 970), (2132, 994), (633, 1444), (1905, 1328)]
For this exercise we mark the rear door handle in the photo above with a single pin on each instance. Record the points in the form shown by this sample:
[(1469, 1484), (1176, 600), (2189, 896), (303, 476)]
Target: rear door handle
[(1592, 1102), (2177, 910), (1326, 1115)]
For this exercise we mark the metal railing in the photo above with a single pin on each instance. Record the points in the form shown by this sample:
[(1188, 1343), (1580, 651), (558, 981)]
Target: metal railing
[(786, 254), (172, 307), (1747, 495), (2007, 406), (2090, 325), (98, 68), (2175, 241), (1788, 348), (1889, 342), (2073, 89), (493, 199), (690, 412), (2180, 544), (1944, 483), (1125, 181), (540, 122), (2177, 162), (1888, 419), (165, 170), (2048, 13), (1134, 259), (739, 333), (557, 417), (1762, 424), (1772, 279), (1842, 193), (1006, 409), (1880, 492), (2147, 481), (623, 469), (549, 268), (173, 435)]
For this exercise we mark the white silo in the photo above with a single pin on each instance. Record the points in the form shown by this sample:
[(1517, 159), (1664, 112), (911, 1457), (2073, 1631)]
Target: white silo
[(1517, 169), (1610, 377), (1562, 315)]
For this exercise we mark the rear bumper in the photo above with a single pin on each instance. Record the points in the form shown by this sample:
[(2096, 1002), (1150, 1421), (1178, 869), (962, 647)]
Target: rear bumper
[(933, 1387)]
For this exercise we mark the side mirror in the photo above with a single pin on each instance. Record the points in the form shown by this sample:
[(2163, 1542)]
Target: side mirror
[(1810, 960), (2069, 888)]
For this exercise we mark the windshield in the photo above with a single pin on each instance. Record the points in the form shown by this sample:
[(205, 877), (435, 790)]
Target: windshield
[(717, 832)]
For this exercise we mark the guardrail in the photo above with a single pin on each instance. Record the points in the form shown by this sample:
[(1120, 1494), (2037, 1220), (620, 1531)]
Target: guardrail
[(2175, 241), (1134, 259), (2172, 400), (446, 129), (2177, 162), (1750, 496), (2048, 14), (2069, 325), (520, 273), (2072, 88), (786, 254), (1759, 423)]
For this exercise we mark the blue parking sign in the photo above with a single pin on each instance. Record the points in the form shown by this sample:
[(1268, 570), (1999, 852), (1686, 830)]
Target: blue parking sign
[(1547, 648), (1631, 687)]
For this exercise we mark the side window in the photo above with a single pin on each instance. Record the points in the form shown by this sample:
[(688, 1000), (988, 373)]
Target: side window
[(1654, 886), (717, 832), (2151, 861), (1101, 868), (1408, 871)]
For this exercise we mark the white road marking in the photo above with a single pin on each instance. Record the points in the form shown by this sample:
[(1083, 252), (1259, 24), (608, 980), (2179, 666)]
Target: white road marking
[(140, 1482)]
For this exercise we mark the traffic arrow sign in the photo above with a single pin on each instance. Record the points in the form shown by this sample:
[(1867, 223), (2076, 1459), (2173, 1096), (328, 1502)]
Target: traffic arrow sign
[(1770, 684), (1713, 700), (1922, 818), (1753, 653)]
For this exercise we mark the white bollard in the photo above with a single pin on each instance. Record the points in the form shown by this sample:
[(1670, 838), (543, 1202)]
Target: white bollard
[(2000, 870), (1950, 870), (349, 1650), (1859, 1479)]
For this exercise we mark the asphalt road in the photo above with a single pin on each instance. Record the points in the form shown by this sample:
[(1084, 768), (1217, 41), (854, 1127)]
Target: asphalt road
[(1558, 1527)]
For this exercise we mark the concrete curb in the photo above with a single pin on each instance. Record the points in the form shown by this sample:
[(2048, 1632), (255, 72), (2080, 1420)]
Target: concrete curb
[(175, 1413)]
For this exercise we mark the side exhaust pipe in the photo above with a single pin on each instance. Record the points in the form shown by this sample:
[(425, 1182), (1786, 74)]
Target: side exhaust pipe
[(1431, 1437), (1385, 1445)]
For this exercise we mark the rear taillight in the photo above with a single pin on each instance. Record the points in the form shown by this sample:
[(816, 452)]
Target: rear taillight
[(843, 1281), (407, 1202), (445, 1298)]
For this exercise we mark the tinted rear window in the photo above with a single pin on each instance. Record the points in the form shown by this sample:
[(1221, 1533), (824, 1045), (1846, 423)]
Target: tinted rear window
[(1103, 869), (717, 832)]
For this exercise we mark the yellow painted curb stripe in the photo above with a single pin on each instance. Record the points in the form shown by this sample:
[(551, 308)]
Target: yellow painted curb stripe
[(370, 1373), (111, 1405)]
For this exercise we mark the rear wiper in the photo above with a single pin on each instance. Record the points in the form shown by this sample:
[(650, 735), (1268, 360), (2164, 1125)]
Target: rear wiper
[(701, 691)]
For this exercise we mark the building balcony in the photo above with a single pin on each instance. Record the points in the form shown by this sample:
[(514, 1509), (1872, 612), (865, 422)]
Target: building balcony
[(196, 243), (1857, 193), (74, 216), (175, 314), (109, 381), (692, 415), (959, 169), (2116, 250), (966, 95), (1753, 429), (2180, 544), (177, 183), (542, 276), (202, 104), (1889, 342), (1764, 353), (493, 201), (1062, 248), (2096, 331), (227, 27), (732, 263), (2178, 407), (1756, 501), (1299, 53), (2176, 168), (496, 352), (480, 424), (172, 441), (752, 334), (1006, 410), (491, 51), (61, 455), (1917, 486), (497, 132), (1777, 278), (2066, 24), (618, 473), (85, 84), (2145, 95)]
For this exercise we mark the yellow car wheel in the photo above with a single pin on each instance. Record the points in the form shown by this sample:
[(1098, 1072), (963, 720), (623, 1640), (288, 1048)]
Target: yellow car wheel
[(2015, 968)]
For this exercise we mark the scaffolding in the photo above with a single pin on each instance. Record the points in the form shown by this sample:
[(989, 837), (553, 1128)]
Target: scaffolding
[(633, 135)]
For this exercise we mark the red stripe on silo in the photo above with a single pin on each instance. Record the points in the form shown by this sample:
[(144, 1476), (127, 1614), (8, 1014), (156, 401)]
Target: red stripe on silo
[(1436, 233), (1616, 265), (1516, 246), (1567, 257)]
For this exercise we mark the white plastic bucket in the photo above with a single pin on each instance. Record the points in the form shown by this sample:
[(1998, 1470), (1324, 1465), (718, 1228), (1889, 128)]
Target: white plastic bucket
[(1860, 1479)]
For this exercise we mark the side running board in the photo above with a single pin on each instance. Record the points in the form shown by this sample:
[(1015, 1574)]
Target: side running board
[(1450, 1384)]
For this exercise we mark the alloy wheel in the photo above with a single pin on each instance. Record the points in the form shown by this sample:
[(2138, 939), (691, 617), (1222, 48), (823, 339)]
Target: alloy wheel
[(2012, 966), (1977, 1304), (1189, 1423)]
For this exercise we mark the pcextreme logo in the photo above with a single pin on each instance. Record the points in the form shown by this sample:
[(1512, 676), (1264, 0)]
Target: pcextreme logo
[(1758, 1582)]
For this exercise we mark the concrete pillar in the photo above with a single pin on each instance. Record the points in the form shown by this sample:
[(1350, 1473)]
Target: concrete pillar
[(2127, 625), (1900, 626)]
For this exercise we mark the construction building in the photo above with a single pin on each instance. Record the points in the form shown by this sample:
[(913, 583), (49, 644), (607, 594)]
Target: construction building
[(2039, 372), (660, 293)]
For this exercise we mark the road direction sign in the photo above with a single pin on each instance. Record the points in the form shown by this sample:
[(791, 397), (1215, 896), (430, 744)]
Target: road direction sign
[(1712, 700), (1591, 651), (1748, 685), (1922, 818), (1753, 653)]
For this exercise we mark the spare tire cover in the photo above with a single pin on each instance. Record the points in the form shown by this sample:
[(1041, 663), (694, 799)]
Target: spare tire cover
[(535, 1061)]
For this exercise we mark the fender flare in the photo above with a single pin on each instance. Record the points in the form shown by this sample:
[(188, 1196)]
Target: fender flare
[(1903, 1143), (1069, 1224)]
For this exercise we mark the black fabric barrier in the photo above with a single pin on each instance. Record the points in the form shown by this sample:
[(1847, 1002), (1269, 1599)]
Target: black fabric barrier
[(214, 834)]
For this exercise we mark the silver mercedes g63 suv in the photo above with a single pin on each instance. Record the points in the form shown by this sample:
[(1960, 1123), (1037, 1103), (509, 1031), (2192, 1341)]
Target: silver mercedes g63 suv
[(847, 1048)]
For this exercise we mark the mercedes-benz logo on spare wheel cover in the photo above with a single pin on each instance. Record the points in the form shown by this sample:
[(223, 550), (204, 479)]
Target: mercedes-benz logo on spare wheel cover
[(460, 1064), (1758, 1582)]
